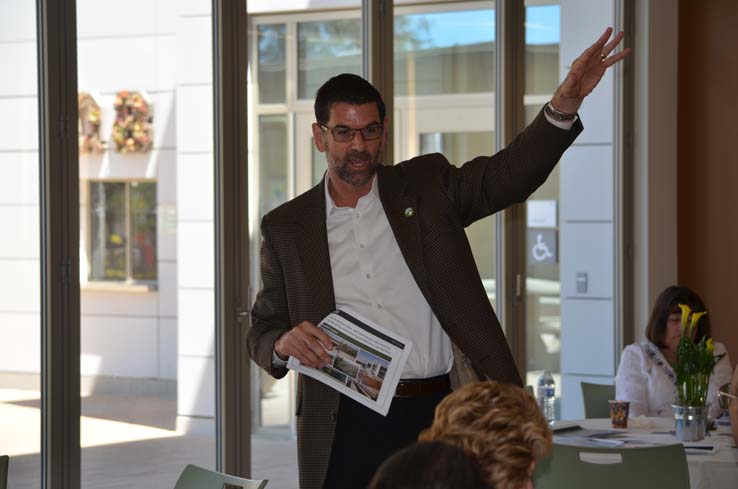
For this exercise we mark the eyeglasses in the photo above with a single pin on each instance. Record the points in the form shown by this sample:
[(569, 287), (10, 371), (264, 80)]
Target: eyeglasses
[(343, 134), (724, 396)]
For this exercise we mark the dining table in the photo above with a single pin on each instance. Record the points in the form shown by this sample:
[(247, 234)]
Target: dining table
[(712, 462)]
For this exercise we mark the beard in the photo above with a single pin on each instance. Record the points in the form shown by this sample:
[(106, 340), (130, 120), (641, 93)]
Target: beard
[(358, 168)]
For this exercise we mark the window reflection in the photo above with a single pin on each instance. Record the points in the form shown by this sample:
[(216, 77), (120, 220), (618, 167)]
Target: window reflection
[(272, 63), (325, 49), (444, 52)]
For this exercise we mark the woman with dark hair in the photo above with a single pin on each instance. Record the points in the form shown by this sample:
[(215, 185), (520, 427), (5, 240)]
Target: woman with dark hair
[(646, 376), (429, 465)]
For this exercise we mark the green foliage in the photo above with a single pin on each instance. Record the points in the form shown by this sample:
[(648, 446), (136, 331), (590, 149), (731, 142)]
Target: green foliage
[(695, 362)]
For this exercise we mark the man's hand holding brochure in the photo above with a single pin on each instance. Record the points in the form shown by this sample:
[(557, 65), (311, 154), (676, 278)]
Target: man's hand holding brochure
[(366, 359)]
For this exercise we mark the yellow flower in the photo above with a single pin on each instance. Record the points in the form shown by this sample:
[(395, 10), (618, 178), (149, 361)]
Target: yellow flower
[(686, 311), (710, 346), (695, 319)]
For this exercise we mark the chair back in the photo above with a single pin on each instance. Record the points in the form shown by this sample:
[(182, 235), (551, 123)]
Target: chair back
[(194, 477), (4, 459), (571, 467), (596, 397)]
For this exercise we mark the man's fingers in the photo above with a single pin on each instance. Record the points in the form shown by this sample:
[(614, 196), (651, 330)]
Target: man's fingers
[(611, 60), (596, 48), (311, 330), (607, 49)]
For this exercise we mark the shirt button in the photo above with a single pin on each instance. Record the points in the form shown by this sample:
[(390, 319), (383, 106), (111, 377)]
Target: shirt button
[(368, 275), (361, 245), (379, 306)]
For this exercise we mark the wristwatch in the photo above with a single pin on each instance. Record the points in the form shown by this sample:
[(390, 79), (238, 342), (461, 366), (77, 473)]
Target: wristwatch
[(558, 115)]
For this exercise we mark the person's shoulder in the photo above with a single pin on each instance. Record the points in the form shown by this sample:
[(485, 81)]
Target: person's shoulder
[(293, 211)]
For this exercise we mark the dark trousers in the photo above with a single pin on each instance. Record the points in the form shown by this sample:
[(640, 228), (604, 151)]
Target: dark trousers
[(364, 439)]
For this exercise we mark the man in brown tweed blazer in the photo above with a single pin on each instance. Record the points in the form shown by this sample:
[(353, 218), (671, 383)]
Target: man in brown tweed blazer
[(389, 242)]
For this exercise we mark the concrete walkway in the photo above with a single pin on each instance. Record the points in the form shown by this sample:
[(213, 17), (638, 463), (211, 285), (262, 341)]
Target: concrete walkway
[(129, 442)]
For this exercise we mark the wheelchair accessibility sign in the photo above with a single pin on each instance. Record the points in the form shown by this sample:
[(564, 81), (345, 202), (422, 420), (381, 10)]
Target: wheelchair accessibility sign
[(542, 246)]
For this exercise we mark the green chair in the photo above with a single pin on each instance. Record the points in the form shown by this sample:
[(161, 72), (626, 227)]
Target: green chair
[(194, 477), (4, 459), (570, 467), (595, 399)]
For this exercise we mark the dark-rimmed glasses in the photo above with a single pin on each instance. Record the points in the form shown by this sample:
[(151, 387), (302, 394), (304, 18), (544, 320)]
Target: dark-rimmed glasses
[(344, 134)]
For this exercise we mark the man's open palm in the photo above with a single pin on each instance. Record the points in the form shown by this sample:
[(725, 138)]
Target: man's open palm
[(587, 71)]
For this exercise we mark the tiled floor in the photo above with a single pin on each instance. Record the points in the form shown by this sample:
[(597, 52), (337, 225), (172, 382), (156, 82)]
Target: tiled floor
[(130, 442)]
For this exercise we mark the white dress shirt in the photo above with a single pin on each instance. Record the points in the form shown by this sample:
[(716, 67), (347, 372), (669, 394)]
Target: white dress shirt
[(371, 277), (646, 379)]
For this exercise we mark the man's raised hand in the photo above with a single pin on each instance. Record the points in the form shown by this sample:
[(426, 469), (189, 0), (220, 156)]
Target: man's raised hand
[(587, 71)]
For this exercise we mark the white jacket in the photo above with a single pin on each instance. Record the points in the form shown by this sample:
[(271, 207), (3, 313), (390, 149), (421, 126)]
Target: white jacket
[(646, 379)]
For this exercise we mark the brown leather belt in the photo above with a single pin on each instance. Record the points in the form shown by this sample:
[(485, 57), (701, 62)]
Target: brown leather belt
[(422, 387)]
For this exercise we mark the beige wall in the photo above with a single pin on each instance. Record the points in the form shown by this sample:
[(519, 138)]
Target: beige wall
[(708, 160)]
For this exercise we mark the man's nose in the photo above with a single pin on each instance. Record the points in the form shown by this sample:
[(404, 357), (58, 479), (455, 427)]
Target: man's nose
[(358, 142)]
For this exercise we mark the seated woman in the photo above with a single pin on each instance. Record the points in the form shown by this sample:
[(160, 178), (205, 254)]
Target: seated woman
[(429, 465), (500, 425), (645, 376)]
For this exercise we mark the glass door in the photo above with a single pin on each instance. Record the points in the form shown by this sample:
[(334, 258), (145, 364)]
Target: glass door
[(146, 242)]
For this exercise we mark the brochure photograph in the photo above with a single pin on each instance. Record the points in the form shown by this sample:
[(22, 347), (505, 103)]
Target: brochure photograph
[(366, 359)]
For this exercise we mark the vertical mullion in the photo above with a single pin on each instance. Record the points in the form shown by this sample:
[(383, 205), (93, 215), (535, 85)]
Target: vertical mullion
[(233, 399), (129, 230), (510, 18), (377, 19), (59, 254)]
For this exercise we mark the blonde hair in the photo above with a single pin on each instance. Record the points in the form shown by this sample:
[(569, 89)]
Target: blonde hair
[(498, 424)]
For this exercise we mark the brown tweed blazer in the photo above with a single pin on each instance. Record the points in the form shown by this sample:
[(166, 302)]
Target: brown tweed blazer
[(296, 268)]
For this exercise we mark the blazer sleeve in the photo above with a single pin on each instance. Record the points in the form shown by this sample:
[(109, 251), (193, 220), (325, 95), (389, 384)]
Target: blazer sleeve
[(269, 315), (631, 382), (488, 184)]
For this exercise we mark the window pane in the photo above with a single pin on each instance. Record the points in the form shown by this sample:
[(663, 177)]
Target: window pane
[(108, 231), (458, 148), (273, 156), (143, 230), (325, 49), (543, 286), (272, 63), (20, 324), (147, 362), (444, 52), (440, 54)]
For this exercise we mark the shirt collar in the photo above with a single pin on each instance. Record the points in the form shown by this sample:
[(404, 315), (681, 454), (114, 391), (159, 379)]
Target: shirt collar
[(330, 205)]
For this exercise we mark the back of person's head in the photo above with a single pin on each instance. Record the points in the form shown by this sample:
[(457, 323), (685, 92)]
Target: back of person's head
[(668, 303), (500, 425), (346, 88), (429, 465)]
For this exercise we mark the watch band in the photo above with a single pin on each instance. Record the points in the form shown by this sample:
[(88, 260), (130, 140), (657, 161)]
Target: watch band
[(558, 115)]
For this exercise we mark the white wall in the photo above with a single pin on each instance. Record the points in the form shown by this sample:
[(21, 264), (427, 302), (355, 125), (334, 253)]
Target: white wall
[(19, 246), (587, 194)]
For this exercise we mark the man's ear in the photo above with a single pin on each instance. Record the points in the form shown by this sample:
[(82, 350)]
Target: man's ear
[(318, 137)]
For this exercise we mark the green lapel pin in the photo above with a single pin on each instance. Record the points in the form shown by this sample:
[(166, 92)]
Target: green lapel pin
[(409, 212)]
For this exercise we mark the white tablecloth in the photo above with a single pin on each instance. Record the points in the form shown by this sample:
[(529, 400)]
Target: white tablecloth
[(717, 470)]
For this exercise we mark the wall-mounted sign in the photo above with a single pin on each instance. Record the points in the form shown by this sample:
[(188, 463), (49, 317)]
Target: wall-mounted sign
[(542, 246), (542, 214)]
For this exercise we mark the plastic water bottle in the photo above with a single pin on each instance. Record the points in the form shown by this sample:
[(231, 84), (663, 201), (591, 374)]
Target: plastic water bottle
[(546, 395)]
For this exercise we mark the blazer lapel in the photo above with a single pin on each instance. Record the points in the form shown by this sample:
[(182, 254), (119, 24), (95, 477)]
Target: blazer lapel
[(401, 208), (314, 255)]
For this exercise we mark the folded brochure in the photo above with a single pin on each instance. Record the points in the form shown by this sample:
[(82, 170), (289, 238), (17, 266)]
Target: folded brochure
[(366, 359)]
